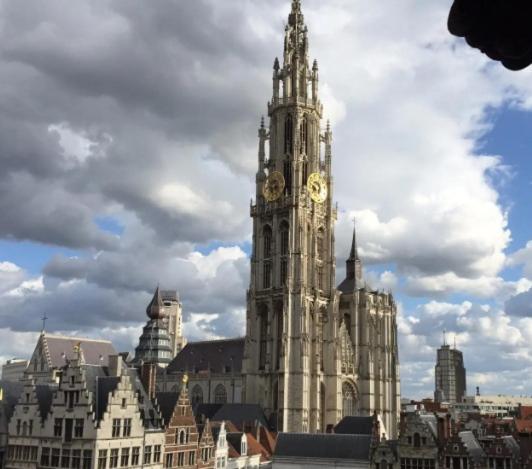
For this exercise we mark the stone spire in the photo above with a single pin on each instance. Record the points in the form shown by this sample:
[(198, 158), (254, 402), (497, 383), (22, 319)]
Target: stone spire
[(353, 264)]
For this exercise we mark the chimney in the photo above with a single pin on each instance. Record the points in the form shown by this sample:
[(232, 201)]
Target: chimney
[(148, 377), (115, 365)]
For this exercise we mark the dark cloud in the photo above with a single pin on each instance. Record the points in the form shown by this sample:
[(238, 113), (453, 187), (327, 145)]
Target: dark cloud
[(520, 305)]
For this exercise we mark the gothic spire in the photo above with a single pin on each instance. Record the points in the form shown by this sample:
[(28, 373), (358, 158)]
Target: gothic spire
[(156, 309), (353, 263)]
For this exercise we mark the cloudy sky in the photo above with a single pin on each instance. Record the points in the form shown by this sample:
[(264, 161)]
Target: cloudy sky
[(128, 149)]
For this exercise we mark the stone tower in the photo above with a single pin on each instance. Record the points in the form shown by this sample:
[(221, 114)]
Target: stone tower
[(174, 310), (155, 343), (308, 344), (449, 375)]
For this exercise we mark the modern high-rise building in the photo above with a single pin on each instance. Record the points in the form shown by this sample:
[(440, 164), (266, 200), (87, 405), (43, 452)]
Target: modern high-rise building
[(450, 375), (314, 352)]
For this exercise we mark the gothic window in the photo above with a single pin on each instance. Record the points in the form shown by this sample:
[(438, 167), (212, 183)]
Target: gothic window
[(267, 239), (349, 398), (305, 172), (287, 172), (288, 134), (220, 394), (303, 136), (263, 318), (284, 238), (319, 275), (417, 440), (267, 275), (279, 334), (197, 395), (284, 271)]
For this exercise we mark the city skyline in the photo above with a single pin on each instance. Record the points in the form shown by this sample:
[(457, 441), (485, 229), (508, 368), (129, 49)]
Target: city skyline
[(142, 174)]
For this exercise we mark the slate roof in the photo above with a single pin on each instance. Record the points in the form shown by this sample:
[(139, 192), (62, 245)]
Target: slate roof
[(217, 356), (238, 414), (473, 446), (105, 385), (323, 446), (348, 285), (355, 425), (166, 402), (60, 348)]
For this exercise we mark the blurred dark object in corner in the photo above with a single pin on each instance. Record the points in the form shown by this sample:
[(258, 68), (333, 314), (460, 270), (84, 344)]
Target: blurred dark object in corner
[(502, 29)]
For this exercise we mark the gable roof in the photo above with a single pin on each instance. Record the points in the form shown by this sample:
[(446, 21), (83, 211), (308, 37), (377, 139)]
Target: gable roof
[(61, 348), (106, 385), (355, 425), (323, 446), (216, 356)]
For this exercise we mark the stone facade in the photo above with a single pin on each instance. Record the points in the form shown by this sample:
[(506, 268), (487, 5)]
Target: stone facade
[(174, 309), (450, 376), (314, 352), (96, 417)]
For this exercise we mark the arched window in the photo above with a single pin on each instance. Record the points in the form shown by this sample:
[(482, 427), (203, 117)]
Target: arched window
[(303, 135), (197, 395), (267, 239), (349, 400), (263, 343), (284, 238), (267, 275), (417, 440), (279, 334), (181, 437), (288, 134), (287, 173), (220, 394)]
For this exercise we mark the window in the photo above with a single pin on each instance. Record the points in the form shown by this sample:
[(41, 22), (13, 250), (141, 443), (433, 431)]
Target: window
[(116, 428), (287, 172), (263, 344), (76, 458), (157, 453), (348, 400), (284, 238), (168, 460), (69, 423), (113, 460), (18, 426), (244, 447), (303, 134), (267, 239), (124, 403), (87, 459), (182, 437), (135, 456), (197, 395), (56, 453), (320, 243), (220, 394), (288, 134), (124, 460), (181, 459), (102, 459), (267, 275), (78, 429), (417, 440), (65, 458), (147, 455), (127, 427), (284, 271), (191, 458), (279, 335), (45, 456), (30, 427)]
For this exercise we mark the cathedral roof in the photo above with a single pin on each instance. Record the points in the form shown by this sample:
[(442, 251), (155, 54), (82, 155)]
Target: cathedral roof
[(355, 425), (238, 414), (216, 356), (323, 446)]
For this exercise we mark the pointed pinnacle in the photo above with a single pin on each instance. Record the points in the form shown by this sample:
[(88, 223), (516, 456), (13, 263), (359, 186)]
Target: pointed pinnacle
[(315, 65), (354, 247), (262, 122), (276, 64)]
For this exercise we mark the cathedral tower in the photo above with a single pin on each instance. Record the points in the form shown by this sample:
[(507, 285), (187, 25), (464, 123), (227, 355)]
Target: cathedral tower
[(303, 352), (290, 323)]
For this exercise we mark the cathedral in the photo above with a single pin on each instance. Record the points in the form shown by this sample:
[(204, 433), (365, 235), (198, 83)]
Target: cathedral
[(313, 352)]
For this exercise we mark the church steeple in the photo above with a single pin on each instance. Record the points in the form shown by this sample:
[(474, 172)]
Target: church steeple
[(353, 268)]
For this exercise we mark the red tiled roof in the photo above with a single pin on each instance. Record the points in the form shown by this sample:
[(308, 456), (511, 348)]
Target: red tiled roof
[(254, 447), (523, 425)]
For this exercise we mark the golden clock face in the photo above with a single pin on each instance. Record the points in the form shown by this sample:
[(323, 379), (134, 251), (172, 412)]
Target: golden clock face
[(317, 188), (274, 186)]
